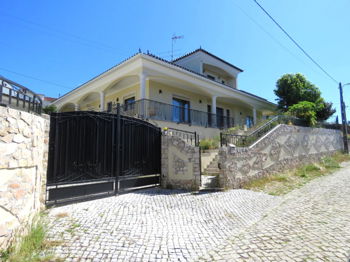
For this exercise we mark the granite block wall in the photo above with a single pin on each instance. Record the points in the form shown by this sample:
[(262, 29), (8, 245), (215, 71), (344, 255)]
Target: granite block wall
[(23, 164)]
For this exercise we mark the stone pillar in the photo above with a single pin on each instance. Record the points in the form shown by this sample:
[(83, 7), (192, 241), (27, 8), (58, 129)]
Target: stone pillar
[(213, 111), (102, 101), (254, 116)]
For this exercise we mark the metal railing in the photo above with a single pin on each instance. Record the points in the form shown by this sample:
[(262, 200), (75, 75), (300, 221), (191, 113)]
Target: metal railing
[(17, 96), (150, 109), (191, 138), (249, 139)]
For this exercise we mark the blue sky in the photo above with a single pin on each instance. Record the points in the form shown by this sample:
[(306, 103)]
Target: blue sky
[(67, 43)]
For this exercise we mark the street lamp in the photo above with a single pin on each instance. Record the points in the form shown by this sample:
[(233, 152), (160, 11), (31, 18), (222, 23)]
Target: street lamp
[(344, 121)]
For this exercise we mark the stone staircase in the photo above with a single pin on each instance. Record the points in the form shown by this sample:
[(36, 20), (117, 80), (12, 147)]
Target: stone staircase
[(212, 169), (210, 176)]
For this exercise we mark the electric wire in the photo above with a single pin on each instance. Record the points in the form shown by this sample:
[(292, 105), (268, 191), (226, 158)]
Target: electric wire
[(296, 43), (35, 78)]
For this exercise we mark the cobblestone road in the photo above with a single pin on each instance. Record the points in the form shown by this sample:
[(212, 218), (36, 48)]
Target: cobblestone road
[(153, 225), (310, 224)]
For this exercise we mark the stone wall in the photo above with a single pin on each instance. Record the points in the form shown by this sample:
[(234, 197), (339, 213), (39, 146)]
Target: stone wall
[(23, 164), (180, 164), (282, 148)]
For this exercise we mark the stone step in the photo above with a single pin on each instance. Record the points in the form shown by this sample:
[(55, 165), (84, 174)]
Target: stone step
[(209, 182)]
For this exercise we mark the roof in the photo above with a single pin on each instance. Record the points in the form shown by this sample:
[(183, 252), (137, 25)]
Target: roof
[(210, 54), (46, 98), (173, 64)]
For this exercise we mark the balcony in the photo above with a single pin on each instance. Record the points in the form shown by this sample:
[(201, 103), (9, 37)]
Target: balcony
[(149, 109)]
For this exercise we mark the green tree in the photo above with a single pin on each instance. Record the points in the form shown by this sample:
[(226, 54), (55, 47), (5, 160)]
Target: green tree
[(292, 89), (49, 109), (304, 110)]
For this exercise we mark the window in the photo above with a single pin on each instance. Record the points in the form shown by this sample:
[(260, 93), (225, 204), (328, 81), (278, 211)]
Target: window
[(219, 117), (181, 111), (109, 106), (209, 115), (129, 103)]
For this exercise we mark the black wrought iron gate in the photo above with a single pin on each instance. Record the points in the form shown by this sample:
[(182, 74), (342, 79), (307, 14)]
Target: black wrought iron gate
[(93, 154)]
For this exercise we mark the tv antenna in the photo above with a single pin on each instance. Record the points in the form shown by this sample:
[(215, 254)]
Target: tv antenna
[(173, 40)]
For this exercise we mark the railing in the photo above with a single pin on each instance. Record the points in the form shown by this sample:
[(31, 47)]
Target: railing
[(247, 140), (19, 97), (149, 109), (191, 138)]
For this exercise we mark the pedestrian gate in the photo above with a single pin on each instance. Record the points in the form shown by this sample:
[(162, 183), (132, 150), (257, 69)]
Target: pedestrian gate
[(94, 154)]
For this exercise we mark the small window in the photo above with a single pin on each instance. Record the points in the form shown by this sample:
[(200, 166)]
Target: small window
[(109, 106), (129, 103), (223, 82), (211, 77)]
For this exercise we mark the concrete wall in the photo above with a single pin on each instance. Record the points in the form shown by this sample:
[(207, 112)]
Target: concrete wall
[(180, 164), (282, 148), (23, 164)]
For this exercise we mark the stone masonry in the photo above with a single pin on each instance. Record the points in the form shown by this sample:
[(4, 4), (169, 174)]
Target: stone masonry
[(180, 164), (23, 164), (283, 147)]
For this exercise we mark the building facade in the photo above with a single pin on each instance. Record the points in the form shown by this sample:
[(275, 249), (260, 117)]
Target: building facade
[(196, 92)]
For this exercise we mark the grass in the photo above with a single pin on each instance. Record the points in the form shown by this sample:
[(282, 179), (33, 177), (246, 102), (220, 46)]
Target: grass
[(31, 246), (283, 183)]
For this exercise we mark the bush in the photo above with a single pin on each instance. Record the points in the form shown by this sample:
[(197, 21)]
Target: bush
[(304, 110), (206, 144), (50, 109)]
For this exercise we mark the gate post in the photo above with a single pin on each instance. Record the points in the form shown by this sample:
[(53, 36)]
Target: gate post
[(117, 158)]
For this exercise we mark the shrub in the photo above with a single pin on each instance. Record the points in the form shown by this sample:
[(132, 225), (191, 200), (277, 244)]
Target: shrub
[(304, 110)]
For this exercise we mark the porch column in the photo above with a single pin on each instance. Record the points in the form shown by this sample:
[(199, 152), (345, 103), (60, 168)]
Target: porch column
[(102, 101), (213, 111), (143, 77), (254, 115), (142, 106), (76, 107)]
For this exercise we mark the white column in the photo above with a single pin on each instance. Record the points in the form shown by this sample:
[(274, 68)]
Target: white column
[(76, 107), (213, 111), (213, 105), (143, 85), (254, 115), (102, 101)]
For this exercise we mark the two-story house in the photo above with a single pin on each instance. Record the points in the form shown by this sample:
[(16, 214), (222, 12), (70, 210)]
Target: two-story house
[(196, 92)]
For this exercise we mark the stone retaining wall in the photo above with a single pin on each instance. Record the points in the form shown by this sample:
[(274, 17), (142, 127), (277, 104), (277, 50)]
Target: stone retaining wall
[(282, 148), (180, 164), (23, 164)]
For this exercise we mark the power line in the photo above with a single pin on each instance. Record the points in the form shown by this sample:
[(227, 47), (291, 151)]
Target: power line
[(295, 42), (63, 33), (34, 78)]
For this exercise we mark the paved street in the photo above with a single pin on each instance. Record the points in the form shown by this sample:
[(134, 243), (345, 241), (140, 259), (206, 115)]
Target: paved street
[(309, 224), (154, 224)]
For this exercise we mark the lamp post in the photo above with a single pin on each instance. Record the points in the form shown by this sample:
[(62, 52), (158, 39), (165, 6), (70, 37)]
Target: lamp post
[(344, 121)]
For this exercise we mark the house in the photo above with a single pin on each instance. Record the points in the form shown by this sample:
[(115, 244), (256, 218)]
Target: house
[(196, 92)]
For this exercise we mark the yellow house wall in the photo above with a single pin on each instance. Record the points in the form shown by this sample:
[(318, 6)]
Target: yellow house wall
[(123, 94), (239, 113)]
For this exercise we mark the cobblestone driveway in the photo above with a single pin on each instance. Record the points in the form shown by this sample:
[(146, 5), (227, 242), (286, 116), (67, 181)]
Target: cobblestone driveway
[(309, 224), (153, 225)]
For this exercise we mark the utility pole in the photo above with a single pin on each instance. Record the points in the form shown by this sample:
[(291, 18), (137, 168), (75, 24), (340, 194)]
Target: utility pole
[(173, 39), (344, 121)]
